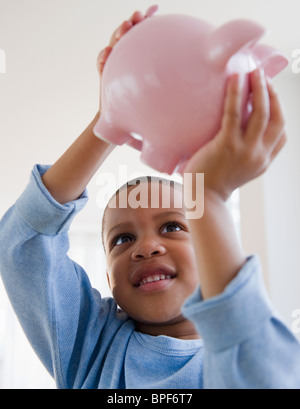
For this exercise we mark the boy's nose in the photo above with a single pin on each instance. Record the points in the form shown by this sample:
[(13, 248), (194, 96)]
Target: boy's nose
[(148, 249)]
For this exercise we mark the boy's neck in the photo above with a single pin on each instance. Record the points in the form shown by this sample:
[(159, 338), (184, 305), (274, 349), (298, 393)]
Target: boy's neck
[(182, 330)]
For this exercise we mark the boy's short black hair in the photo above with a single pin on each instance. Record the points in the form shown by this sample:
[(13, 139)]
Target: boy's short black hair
[(137, 181)]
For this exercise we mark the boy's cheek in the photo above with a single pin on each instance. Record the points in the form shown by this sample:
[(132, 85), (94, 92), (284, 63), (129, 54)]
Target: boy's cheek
[(112, 278)]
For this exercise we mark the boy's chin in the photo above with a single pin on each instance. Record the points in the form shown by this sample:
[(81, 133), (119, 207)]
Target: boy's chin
[(153, 323), (178, 327)]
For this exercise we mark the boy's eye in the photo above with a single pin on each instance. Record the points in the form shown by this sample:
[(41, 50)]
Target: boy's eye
[(171, 227), (121, 239)]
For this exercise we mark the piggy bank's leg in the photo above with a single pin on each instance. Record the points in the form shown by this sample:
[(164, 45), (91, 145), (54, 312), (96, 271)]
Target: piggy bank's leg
[(107, 131), (134, 143), (160, 158)]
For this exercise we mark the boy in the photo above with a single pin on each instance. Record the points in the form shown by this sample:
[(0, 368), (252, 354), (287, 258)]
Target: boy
[(168, 333)]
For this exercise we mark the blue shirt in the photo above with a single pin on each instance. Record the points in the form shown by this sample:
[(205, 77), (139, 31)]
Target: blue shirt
[(85, 341)]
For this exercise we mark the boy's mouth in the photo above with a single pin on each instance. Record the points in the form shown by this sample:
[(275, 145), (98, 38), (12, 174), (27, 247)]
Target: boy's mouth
[(155, 277), (152, 273)]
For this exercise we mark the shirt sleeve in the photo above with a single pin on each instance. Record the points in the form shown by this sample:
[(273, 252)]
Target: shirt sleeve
[(246, 343), (61, 314)]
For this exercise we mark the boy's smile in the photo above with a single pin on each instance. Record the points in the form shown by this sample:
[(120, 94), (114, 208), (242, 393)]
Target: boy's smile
[(150, 261), (153, 277)]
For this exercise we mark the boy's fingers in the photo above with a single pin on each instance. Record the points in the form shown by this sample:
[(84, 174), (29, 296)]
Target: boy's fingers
[(151, 10), (124, 27), (137, 17), (232, 117), (259, 117), (280, 144), (276, 121), (102, 57)]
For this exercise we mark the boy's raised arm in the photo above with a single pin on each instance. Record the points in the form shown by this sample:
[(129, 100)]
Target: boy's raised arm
[(234, 157), (68, 177)]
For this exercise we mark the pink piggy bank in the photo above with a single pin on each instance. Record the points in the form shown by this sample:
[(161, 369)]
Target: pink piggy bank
[(164, 83)]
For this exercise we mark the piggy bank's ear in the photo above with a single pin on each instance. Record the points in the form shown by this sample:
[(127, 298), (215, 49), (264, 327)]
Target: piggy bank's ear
[(225, 41)]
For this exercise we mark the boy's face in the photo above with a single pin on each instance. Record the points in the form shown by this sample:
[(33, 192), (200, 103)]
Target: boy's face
[(150, 257)]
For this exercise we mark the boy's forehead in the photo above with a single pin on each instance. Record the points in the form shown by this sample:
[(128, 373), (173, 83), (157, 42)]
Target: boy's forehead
[(144, 199)]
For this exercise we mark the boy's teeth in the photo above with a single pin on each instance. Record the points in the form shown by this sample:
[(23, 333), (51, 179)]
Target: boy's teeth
[(155, 277)]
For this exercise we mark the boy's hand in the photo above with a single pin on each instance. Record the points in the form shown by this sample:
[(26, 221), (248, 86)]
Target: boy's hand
[(235, 155), (136, 18)]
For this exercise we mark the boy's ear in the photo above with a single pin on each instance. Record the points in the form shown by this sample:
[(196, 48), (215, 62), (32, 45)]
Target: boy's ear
[(107, 275)]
